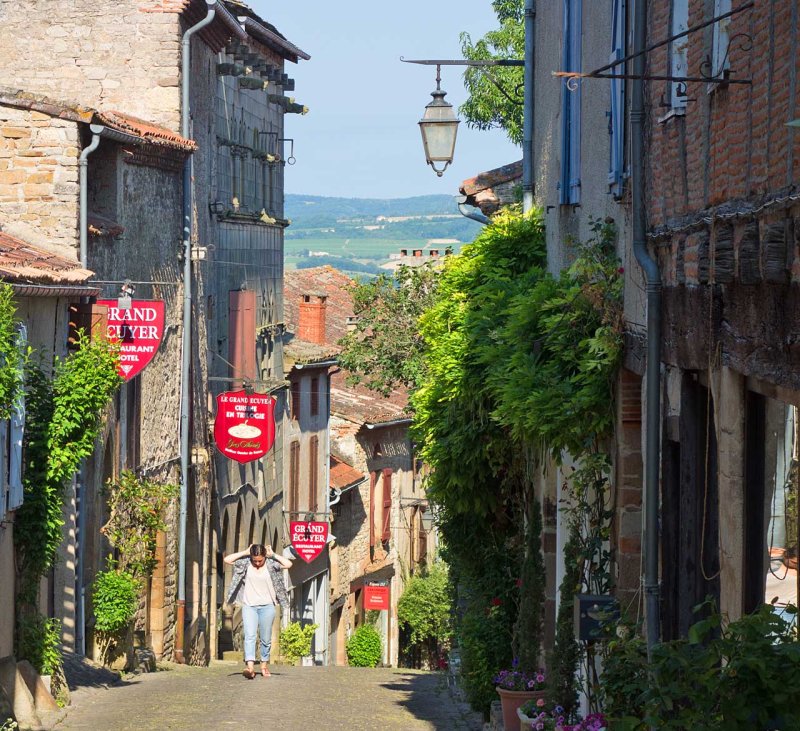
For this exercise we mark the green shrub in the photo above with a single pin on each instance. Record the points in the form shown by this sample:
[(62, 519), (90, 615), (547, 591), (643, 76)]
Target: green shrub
[(39, 642), (364, 647), (295, 640), (115, 599), (424, 609)]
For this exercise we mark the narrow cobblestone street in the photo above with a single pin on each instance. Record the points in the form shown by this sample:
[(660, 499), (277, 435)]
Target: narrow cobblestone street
[(294, 698)]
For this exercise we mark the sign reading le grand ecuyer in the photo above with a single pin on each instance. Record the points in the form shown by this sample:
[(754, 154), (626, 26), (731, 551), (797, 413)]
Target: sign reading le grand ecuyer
[(308, 538), (244, 428), (138, 330)]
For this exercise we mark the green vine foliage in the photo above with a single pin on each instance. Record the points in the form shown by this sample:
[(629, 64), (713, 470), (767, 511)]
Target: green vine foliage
[(38, 640), (62, 423), (529, 629), (11, 359), (425, 609), (136, 507)]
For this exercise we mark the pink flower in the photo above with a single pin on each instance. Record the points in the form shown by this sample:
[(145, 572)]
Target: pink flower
[(540, 678), (621, 270), (540, 702), (496, 601)]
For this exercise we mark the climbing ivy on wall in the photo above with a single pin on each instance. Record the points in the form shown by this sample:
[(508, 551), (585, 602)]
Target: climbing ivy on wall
[(11, 359), (62, 423)]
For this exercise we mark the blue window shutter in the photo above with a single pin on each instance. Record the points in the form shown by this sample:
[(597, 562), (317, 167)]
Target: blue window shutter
[(616, 127), (17, 425), (3, 469), (569, 187)]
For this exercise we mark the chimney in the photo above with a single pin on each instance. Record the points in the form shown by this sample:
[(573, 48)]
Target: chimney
[(434, 253), (352, 323), (417, 252), (403, 252), (312, 318)]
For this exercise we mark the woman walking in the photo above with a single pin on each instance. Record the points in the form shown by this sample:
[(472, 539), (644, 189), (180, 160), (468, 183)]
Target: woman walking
[(258, 586)]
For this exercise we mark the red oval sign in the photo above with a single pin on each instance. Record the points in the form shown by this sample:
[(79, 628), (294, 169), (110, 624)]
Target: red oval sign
[(138, 330), (308, 538), (244, 428)]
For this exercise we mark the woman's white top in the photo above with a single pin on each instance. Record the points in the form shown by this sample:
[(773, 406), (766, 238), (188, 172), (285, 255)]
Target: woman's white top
[(258, 588)]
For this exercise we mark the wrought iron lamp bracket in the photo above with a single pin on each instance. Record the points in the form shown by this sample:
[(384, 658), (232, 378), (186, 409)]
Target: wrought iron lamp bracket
[(706, 72)]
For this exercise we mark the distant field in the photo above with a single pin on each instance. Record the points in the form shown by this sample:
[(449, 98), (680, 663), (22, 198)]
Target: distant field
[(355, 248)]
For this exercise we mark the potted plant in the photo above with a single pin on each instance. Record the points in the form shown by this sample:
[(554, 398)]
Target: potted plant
[(515, 687), (541, 716), (295, 641)]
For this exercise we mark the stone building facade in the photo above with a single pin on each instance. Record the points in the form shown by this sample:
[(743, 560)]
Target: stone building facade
[(106, 57)]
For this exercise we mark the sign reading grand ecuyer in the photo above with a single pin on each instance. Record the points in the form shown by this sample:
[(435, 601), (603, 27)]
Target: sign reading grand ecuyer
[(244, 428), (308, 538), (138, 330)]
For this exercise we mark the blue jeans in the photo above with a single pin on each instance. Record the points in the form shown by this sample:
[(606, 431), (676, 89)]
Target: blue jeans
[(257, 618)]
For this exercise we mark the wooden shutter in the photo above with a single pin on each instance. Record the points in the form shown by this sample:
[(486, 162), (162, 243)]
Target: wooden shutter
[(570, 184), (92, 319), (423, 545), (313, 471), (294, 476), (17, 433), (373, 477), (242, 335), (386, 532)]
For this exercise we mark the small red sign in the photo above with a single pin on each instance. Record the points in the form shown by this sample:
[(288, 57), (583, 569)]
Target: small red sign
[(244, 428), (308, 538), (138, 330), (376, 597)]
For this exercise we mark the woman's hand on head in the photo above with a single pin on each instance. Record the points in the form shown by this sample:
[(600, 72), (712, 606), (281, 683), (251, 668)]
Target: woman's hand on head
[(270, 553)]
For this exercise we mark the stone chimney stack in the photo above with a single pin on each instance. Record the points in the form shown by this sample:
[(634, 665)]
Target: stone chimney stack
[(312, 318)]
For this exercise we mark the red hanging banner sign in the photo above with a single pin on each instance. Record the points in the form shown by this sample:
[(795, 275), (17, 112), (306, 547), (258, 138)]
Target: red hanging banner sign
[(376, 597), (308, 538), (138, 329), (244, 428)]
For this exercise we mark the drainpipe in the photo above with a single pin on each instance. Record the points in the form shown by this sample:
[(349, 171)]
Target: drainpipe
[(653, 288), (80, 483), (83, 176), (527, 119), (461, 200), (186, 342)]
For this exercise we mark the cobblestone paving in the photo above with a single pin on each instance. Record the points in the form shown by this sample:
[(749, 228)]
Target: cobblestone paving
[(293, 699)]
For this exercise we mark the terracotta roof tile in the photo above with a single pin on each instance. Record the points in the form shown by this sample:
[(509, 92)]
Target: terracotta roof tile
[(360, 404), (149, 133), (492, 189), (102, 226), (343, 475), (21, 262)]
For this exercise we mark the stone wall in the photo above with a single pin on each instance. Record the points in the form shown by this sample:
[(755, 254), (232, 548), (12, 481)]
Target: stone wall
[(39, 178), (122, 55)]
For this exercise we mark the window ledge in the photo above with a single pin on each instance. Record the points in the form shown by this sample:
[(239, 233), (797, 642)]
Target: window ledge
[(672, 113)]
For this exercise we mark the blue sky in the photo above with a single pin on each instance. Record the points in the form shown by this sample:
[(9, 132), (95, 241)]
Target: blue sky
[(360, 138)]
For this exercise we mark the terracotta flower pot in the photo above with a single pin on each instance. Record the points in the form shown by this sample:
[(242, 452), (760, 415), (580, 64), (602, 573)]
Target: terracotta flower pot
[(511, 700)]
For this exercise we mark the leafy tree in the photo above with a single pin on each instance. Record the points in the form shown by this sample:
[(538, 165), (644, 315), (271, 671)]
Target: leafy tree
[(495, 92), (384, 351)]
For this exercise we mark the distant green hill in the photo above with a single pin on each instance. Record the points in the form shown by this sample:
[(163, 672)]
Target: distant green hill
[(418, 218)]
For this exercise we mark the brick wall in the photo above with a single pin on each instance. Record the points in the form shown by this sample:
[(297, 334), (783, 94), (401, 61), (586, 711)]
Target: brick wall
[(110, 55), (733, 142), (39, 177)]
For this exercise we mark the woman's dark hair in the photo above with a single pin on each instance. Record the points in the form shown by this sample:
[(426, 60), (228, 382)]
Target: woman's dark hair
[(258, 549)]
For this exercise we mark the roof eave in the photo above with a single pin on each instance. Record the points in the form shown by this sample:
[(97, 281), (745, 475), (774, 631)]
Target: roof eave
[(288, 50)]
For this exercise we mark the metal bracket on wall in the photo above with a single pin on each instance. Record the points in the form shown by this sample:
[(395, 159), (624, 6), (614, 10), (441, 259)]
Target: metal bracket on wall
[(707, 73)]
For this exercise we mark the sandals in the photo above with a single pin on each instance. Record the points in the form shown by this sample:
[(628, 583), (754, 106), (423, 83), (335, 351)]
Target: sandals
[(249, 673), (265, 670)]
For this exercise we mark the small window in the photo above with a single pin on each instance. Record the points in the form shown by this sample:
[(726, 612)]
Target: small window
[(720, 59), (314, 396), (679, 53), (294, 406)]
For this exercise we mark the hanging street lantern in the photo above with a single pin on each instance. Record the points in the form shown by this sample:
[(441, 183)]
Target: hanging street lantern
[(439, 126)]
